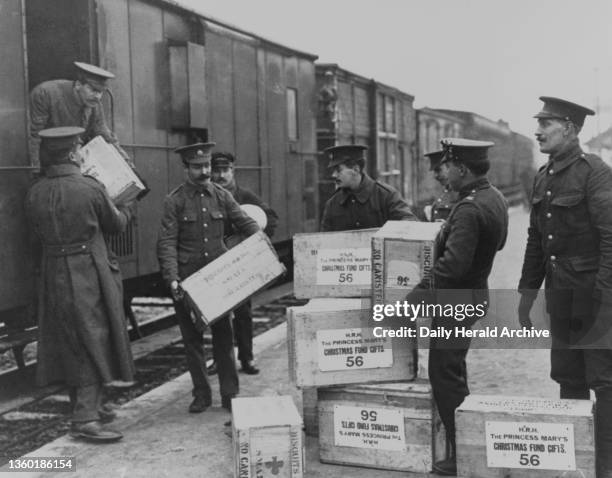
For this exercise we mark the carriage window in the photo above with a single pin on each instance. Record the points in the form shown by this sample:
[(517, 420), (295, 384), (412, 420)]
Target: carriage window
[(292, 114)]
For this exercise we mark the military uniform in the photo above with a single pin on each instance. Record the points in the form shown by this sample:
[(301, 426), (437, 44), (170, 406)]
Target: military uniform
[(371, 205), (442, 206), (83, 340), (194, 222), (467, 243), (569, 246), (55, 103)]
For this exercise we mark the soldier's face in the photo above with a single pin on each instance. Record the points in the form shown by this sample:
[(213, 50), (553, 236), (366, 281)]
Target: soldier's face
[(89, 94), (552, 135), (455, 174), (199, 172), (440, 174), (346, 177), (223, 175)]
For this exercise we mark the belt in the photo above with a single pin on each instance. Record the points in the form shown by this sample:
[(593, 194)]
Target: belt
[(67, 249)]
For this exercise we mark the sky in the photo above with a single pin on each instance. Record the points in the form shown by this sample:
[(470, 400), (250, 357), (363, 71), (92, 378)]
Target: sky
[(492, 57)]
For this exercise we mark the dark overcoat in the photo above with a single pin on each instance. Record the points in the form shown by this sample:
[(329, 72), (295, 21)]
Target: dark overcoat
[(82, 333), (569, 244), (371, 205)]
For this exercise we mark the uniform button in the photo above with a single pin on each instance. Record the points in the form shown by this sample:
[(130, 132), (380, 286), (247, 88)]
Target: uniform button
[(548, 215), (553, 258), (205, 225), (206, 239), (204, 209), (83, 247), (201, 194), (439, 199), (206, 254), (353, 201), (550, 171), (358, 224), (550, 237), (548, 193)]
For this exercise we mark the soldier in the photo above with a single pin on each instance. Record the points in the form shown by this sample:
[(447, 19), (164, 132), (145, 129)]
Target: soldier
[(83, 341), (467, 243), (359, 202), (223, 175), (441, 207), (569, 246), (65, 103), (197, 215)]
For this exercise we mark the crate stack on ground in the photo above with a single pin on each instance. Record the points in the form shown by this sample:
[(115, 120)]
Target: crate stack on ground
[(360, 395), (525, 437)]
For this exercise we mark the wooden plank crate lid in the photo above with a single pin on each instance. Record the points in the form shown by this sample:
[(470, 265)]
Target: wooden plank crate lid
[(262, 412), (332, 264), (232, 278), (409, 230), (527, 405)]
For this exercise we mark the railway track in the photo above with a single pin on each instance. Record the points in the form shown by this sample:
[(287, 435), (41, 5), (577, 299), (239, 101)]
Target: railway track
[(30, 418)]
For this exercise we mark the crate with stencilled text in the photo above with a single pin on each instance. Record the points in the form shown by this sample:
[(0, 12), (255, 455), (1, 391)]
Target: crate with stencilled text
[(332, 264), (334, 341), (524, 437), (403, 253), (232, 278), (391, 426), (267, 437)]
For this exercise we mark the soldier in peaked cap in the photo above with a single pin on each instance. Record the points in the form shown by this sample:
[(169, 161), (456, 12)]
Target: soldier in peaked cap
[(197, 215), (569, 248), (359, 202), (57, 103), (223, 175), (467, 243), (83, 341), (442, 205)]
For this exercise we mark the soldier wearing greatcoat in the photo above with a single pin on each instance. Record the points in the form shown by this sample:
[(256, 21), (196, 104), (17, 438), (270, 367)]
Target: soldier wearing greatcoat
[(569, 248), (83, 340), (474, 231), (359, 201)]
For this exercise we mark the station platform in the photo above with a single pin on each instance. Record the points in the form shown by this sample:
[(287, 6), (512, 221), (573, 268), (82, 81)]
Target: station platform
[(161, 439)]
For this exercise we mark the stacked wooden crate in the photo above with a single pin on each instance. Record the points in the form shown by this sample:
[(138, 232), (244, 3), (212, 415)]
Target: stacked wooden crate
[(357, 385), (268, 438), (524, 437)]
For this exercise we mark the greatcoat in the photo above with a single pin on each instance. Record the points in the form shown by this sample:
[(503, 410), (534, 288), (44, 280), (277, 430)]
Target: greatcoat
[(82, 333)]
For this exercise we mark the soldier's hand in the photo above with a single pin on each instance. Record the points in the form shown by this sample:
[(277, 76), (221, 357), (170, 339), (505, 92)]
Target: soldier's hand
[(176, 290), (524, 309)]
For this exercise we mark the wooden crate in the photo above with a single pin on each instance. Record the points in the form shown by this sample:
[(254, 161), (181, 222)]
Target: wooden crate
[(267, 437), (232, 278), (332, 264), (331, 342), (403, 253), (393, 426), (103, 162), (524, 437)]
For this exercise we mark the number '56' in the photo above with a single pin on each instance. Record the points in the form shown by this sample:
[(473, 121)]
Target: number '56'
[(533, 460)]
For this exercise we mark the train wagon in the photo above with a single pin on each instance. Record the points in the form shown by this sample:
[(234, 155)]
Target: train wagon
[(180, 77)]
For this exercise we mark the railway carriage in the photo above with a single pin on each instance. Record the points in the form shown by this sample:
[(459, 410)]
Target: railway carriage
[(180, 77)]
